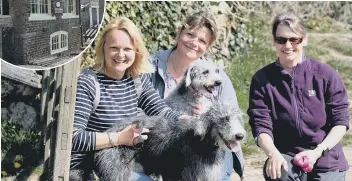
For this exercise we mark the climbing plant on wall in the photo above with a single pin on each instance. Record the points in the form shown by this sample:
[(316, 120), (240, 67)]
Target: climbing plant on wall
[(158, 22)]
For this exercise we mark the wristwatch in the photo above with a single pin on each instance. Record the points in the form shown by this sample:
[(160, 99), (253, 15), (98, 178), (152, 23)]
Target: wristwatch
[(325, 149)]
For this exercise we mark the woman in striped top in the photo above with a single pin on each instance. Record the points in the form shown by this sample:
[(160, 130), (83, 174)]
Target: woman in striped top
[(121, 56)]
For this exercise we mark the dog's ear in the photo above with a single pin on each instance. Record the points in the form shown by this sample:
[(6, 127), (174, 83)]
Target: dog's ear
[(188, 78)]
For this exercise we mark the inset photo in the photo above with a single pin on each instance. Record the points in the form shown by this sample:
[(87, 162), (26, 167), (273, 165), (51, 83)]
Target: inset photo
[(43, 34)]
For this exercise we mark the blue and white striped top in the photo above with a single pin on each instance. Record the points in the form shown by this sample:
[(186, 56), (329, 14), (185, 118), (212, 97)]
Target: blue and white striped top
[(118, 100)]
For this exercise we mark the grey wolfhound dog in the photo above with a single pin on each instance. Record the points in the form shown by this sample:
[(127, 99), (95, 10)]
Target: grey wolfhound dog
[(172, 145), (190, 149)]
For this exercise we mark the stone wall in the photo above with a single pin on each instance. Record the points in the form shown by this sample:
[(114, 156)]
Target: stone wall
[(20, 103)]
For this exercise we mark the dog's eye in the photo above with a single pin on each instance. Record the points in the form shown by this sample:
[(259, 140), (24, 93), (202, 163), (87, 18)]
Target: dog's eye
[(217, 71), (205, 72)]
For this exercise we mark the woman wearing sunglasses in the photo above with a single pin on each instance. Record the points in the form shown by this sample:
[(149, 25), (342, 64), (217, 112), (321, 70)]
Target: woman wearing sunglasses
[(298, 110)]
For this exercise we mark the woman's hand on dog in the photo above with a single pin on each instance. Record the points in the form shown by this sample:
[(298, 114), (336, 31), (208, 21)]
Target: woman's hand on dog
[(131, 135), (275, 162)]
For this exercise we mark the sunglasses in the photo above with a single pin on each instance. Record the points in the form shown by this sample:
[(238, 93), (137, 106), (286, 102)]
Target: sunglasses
[(293, 40)]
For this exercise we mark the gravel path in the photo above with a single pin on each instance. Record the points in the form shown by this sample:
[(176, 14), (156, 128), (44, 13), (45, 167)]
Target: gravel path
[(254, 163)]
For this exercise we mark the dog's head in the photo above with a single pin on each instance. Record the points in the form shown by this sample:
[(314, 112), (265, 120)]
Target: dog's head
[(224, 123), (203, 76)]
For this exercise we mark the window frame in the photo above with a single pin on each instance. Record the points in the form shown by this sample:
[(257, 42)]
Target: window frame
[(62, 39), (39, 5), (41, 16), (65, 7), (91, 15)]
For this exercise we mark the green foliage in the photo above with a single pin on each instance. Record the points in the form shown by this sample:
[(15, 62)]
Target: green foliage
[(344, 69), (159, 21), (243, 66), (156, 20), (347, 140), (19, 148), (343, 47), (322, 24)]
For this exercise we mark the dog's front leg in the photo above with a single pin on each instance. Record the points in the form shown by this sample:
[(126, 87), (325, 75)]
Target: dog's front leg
[(211, 173), (111, 165)]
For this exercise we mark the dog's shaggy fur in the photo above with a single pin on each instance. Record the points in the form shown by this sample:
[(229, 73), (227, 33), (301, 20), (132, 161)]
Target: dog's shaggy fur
[(199, 85), (177, 150), (183, 150)]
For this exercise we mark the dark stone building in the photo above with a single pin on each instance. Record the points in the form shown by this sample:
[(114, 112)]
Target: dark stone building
[(41, 32)]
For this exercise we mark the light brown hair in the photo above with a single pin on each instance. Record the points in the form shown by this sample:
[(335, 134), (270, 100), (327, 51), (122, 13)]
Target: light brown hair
[(292, 21)]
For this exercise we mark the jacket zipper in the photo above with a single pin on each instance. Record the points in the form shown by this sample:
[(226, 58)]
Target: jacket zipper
[(295, 104)]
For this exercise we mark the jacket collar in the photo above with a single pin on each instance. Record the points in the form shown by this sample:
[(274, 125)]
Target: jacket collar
[(162, 56), (300, 67)]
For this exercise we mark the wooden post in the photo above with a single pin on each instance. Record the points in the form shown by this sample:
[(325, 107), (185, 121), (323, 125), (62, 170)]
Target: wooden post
[(48, 102), (43, 115), (66, 86)]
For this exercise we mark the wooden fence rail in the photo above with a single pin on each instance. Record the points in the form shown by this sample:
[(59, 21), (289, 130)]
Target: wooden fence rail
[(57, 112)]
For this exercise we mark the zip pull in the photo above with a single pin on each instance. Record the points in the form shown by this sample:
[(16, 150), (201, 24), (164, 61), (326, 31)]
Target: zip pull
[(292, 84)]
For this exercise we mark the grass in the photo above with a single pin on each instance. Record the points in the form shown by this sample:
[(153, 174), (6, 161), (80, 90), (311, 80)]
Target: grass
[(347, 140), (241, 70), (344, 69), (243, 67), (344, 47)]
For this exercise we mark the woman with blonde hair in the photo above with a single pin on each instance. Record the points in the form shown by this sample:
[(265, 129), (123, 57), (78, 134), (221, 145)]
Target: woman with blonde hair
[(121, 58)]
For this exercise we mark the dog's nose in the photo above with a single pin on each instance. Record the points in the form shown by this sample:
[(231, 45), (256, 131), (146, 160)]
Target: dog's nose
[(239, 136), (217, 83)]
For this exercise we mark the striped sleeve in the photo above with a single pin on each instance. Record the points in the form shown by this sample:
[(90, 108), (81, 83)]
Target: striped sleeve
[(83, 140), (151, 102)]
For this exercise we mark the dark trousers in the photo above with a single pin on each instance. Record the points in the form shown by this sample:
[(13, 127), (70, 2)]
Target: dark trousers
[(295, 173)]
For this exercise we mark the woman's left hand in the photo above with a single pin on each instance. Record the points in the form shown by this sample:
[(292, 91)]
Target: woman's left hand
[(310, 158)]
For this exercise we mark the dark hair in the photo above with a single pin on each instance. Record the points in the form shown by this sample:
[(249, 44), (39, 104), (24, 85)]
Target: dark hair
[(292, 21), (199, 20)]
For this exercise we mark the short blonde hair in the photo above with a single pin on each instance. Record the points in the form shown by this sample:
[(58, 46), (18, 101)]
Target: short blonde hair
[(141, 63)]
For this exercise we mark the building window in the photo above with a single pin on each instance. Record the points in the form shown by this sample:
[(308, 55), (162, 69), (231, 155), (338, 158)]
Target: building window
[(58, 42), (4, 7), (69, 6), (39, 7)]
